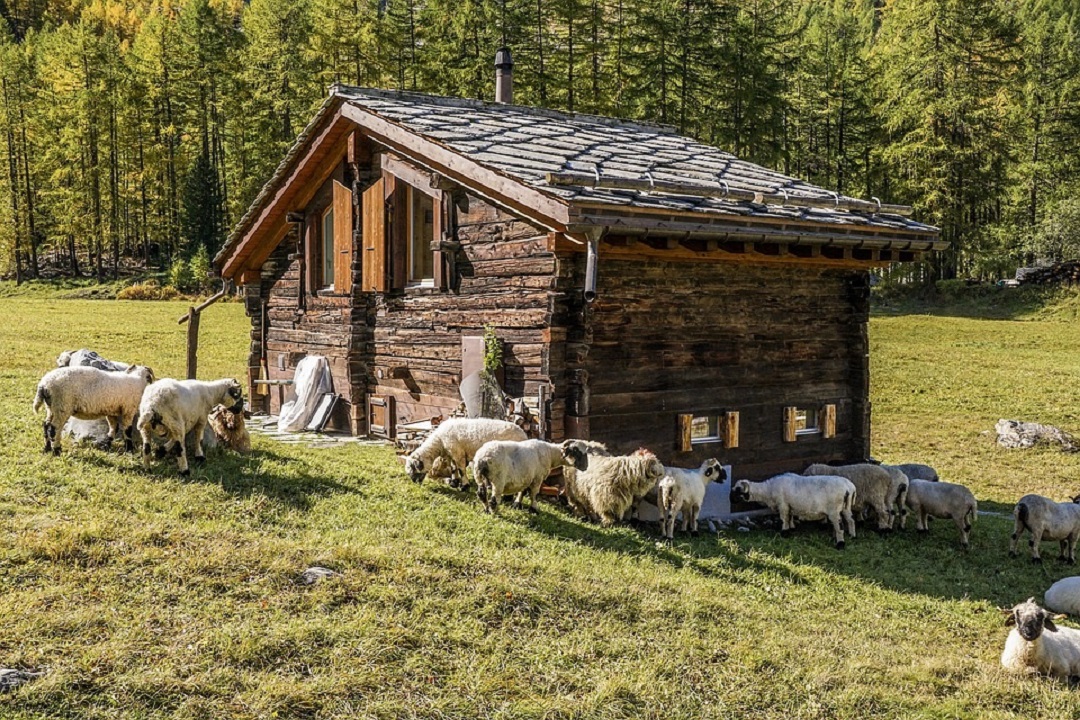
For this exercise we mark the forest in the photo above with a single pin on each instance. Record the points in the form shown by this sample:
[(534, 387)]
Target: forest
[(136, 132)]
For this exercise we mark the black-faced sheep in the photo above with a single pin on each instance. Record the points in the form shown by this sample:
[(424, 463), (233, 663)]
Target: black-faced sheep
[(88, 393), (1047, 520), (929, 499), (171, 409), (458, 439), (509, 467), (814, 497), (1037, 645), (608, 486), (683, 490), (876, 489)]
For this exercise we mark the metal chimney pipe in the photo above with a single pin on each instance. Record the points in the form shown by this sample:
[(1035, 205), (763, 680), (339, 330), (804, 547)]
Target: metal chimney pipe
[(504, 79)]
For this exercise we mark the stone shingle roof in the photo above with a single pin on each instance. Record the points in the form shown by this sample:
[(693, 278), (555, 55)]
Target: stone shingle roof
[(527, 143)]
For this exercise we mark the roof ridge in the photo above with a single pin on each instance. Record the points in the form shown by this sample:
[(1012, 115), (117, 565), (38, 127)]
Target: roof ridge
[(348, 91)]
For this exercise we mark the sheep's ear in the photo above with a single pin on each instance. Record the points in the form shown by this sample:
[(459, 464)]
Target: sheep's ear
[(1011, 619), (1048, 623)]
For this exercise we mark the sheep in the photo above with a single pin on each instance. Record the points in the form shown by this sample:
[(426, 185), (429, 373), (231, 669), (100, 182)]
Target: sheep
[(173, 408), (683, 490), (577, 454), (1064, 596), (1037, 645), (914, 471), (458, 439), (88, 393), (608, 486), (508, 467), (1049, 520), (876, 488), (942, 500), (229, 429), (75, 358), (806, 497)]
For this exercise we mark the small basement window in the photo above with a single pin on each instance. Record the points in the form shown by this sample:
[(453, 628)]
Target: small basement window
[(327, 246), (800, 421), (704, 428)]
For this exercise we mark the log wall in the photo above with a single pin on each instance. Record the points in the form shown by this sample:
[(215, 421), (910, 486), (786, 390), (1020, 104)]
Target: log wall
[(705, 338)]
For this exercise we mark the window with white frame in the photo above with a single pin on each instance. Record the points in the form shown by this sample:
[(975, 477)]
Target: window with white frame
[(420, 233), (704, 428)]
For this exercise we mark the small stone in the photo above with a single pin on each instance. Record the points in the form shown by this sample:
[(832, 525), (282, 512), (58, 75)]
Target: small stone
[(11, 679), (314, 574), (743, 528)]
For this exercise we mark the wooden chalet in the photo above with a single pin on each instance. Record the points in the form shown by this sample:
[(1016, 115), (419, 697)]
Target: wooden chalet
[(649, 290)]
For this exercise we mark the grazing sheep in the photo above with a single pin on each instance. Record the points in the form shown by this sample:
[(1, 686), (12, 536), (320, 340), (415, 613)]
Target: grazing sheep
[(876, 488), (1037, 645), (510, 467), (458, 439), (173, 408), (608, 486), (229, 428), (88, 393), (1047, 520), (683, 490), (916, 471), (814, 497), (941, 500), (1064, 596)]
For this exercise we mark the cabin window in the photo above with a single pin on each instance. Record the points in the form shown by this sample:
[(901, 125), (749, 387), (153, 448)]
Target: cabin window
[(327, 246), (700, 428), (704, 428), (420, 232)]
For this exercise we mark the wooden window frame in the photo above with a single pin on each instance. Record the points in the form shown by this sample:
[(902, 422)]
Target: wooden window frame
[(409, 191), (727, 430), (323, 285), (822, 415)]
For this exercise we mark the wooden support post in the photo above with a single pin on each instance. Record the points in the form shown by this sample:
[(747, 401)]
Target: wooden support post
[(192, 343)]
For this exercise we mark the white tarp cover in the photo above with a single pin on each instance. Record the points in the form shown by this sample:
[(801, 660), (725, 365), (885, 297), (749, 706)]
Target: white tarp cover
[(310, 381)]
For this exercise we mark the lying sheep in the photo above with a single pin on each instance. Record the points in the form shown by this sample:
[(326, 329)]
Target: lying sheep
[(458, 439), (170, 409), (510, 467), (88, 393), (1037, 645), (941, 500), (1047, 520), (683, 490), (815, 497), (1064, 596), (876, 489), (607, 487)]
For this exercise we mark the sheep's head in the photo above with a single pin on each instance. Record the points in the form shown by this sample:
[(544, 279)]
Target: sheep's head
[(1030, 620), (236, 394), (713, 470), (654, 469), (575, 454), (65, 359), (1076, 499), (414, 468), (741, 491), (142, 371)]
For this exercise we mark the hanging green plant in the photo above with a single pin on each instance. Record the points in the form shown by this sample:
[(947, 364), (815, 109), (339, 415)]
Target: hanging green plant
[(492, 350)]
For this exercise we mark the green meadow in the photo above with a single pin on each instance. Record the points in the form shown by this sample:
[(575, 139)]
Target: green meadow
[(145, 596)]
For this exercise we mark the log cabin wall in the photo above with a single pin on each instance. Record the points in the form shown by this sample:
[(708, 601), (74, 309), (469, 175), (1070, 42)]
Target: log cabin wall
[(665, 338), (504, 277)]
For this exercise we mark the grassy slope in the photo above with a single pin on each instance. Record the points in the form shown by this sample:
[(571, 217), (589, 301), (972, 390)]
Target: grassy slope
[(150, 597)]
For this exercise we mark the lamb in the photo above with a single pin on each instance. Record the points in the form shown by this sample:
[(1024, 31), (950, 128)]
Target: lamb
[(1037, 645), (875, 487), (173, 408), (458, 439), (1049, 520), (88, 393), (509, 467), (608, 486), (682, 490), (941, 500), (806, 497), (229, 429)]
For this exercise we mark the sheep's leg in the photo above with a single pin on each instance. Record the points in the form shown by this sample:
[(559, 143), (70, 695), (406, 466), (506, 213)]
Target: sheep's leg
[(1018, 530), (694, 510), (517, 500), (1036, 538), (838, 530), (963, 526), (923, 525), (113, 422), (849, 520), (459, 476), (143, 426), (785, 521), (200, 456), (1071, 559), (903, 520), (533, 492), (54, 425)]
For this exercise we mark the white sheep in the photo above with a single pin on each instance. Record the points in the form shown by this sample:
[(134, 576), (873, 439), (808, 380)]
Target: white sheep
[(1037, 645), (458, 439), (1047, 520), (683, 490), (577, 454), (916, 471), (876, 489), (813, 497), (170, 409), (510, 467), (604, 488), (88, 393), (929, 499), (1064, 596)]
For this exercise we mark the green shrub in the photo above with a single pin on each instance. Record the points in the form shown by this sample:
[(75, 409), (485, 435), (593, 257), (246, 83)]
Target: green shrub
[(200, 271), (149, 290), (180, 276)]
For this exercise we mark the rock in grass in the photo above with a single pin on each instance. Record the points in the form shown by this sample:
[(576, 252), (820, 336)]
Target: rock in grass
[(11, 679), (314, 574), (1064, 596)]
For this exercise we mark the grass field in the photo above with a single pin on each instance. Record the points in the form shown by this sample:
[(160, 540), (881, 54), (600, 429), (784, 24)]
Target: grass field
[(147, 597)]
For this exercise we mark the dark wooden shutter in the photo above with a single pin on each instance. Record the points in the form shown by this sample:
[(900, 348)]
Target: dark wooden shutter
[(373, 209), (343, 235)]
